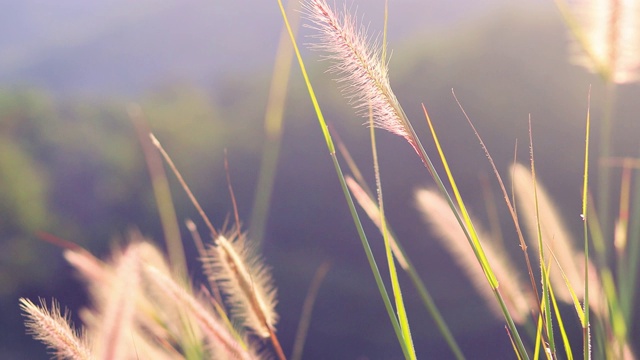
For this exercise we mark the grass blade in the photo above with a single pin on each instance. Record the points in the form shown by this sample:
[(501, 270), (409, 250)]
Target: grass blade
[(586, 336), (393, 274), (472, 237), (332, 152)]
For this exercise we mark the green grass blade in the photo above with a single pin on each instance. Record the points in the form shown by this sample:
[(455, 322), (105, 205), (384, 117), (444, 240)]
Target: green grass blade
[(470, 231), (345, 189), (574, 297), (509, 202), (545, 280), (536, 350), (471, 235), (161, 192), (395, 284), (633, 253), (563, 333), (366, 202), (371, 260), (586, 337), (305, 75)]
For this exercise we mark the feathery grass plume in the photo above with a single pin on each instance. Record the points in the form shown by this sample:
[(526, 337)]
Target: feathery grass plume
[(217, 333), (126, 319), (245, 281), (517, 296), (139, 312), (607, 33), (157, 317), (116, 309), (364, 74), (54, 329), (554, 233)]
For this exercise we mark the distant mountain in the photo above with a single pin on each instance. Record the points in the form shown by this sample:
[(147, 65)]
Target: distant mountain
[(122, 47)]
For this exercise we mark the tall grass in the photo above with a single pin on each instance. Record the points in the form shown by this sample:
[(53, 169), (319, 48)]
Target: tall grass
[(143, 306)]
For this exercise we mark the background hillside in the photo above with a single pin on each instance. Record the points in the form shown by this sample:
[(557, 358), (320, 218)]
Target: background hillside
[(70, 163), (117, 47)]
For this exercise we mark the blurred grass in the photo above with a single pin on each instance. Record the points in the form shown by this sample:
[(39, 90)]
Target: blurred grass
[(93, 183)]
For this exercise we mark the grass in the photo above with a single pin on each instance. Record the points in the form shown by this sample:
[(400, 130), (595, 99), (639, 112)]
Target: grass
[(144, 306)]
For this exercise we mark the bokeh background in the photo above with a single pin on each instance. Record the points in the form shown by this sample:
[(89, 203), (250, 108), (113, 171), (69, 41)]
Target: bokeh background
[(71, 164)]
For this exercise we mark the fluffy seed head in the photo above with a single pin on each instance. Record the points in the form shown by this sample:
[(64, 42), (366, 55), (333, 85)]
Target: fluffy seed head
[(246, 283), (609, 38), (219, 337), (363, 72), (53, 329)]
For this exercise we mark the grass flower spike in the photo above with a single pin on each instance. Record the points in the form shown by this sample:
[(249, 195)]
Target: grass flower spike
[(245, 281), (608, 35), (140, 309), (117, 308), (363, 73), (53, 329), (219, 337)]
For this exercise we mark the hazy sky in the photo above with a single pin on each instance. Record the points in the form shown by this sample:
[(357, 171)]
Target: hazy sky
[(113, 46)]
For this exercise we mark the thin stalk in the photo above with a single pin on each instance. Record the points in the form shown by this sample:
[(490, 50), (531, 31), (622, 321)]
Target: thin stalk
[(621, 237), (492, 211), (162, 193), (393, 274), (563, 333), (370, 258), (184, 185), (467, 228), (539, 340), (510, 203), (604, 171), (634, 252), (543, 271), (401, 256), (616, 316), (586, 337), (465, 224)]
